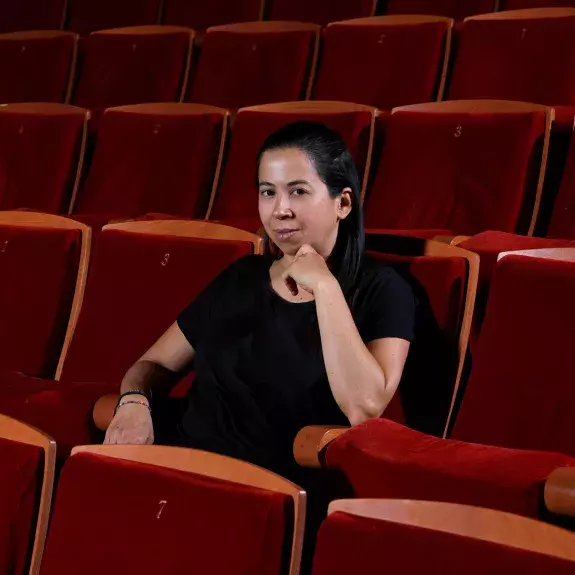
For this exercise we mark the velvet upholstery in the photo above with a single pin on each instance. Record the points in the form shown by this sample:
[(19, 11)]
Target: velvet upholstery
[(202, 15), (319, 11), (526, 4), (239, 64), (33, 174), (86, 16), (462, 170), (154, 158), (237, 196), (360, 545), (522, 372), (528, 60), (455, 9), (20, 484), (36, 66), (137, 286), (376, 58), (17, 15), (132, 66), (383, 459), (192, 523), (39, 267), (563, 219)]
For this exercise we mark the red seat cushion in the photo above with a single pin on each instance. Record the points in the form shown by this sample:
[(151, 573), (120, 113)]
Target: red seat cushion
[(191, 523), (20, 484), (388, 64), (24, 131), (154, 158), (17, 15), (319, 11), (450, 8), (352, 544), (39, 267), (382, 459), (458, 169), (238, 66), (36, 66)]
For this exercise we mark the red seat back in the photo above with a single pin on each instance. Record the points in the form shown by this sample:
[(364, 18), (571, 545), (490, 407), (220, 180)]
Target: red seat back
[(562, 223), (320, 11), (450, 8), (18, 15), (525, 4), (239, 64)]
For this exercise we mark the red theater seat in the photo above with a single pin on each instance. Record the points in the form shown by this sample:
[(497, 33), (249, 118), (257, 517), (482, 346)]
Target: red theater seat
[(462, 167), (389, 60), (239, 64), (524, 4), (28, 458), (236, 199), (41, 153), (133, 66), (155, 158), (524, 55), (18, 15), (455, 9), (200, 513), (563, 219), (414, 537), (37, 66), (319, 11), (202, 15), (86, 16)]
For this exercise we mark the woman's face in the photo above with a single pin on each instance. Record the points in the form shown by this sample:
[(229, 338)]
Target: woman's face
[(294, 204)]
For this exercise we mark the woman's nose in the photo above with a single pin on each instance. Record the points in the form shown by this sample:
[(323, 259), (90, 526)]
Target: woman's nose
[(282, 208)]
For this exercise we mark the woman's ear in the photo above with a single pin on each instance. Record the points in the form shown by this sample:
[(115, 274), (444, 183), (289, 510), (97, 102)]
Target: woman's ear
[(345, 204)]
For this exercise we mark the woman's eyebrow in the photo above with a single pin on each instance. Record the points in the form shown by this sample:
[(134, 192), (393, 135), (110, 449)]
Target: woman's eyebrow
[(266, 184), (298, 183)]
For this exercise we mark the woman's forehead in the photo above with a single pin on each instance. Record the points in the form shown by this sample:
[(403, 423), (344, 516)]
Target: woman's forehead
[(287, 165)]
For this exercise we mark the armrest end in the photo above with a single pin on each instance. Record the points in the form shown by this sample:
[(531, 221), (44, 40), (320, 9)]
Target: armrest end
[(311, 441), (560, 491), (103, 411)]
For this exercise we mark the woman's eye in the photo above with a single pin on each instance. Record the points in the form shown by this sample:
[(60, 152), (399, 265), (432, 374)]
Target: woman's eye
[(267, 193), (299, 192)]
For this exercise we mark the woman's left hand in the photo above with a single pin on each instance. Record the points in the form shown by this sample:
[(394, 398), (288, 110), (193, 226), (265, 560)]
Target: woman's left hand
[(307, 270)]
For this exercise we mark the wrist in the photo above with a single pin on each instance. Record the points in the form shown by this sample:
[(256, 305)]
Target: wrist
[(326, 285)]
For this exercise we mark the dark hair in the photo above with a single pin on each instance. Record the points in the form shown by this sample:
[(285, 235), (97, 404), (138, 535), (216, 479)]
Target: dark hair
[(336, 169)]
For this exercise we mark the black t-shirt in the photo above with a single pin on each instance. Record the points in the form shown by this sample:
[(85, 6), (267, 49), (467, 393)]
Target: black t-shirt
[(260, 374)]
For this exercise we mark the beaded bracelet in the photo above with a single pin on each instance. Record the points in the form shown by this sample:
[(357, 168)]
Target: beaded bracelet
[(120, 403)]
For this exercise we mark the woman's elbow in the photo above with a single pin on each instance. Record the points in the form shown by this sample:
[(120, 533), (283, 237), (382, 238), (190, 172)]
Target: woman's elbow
[(366, 411)]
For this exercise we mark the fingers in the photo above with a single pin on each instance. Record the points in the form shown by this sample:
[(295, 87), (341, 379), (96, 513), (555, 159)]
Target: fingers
[(291, 284)]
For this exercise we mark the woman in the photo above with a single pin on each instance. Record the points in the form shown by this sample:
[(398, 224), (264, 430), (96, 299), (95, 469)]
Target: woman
[(316, 334)]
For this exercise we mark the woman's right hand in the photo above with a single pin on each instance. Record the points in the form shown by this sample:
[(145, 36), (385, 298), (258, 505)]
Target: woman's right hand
[(132, 425)]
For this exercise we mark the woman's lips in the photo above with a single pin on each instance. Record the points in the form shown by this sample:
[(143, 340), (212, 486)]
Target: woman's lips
[(285, 234)]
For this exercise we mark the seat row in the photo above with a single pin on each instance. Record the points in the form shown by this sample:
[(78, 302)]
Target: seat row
[(207, 513)]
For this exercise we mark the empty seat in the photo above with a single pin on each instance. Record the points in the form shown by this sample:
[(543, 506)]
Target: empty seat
[(237, 196), (239, 64), (37, 66), (155, 158), (415, 537), (41, 151), (202, 15), (562, 223), (389, 60), (524, 55), (44, 262), (28, 458), (133, 66), (524, 4), (319, 11), (455, 9), (461, 167), (86, 16), (18, 15)]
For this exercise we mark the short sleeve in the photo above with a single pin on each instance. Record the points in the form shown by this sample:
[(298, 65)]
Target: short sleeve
[(386, 306)]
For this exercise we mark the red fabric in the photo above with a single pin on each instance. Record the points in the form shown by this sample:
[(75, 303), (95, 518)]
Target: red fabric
[(35, 67), (138, 285), (131, 68), (20, 484), (351, 544), (202, 15), (462, 171), (35, 175), (455, 9), (191, 523), (319, 11), (520, 393), (382, 459), (238, 66), (527, 60), (387, 65), (39, 267), (525, 4), (563, 220), (237, 196), (153, 159), (16, 15), (85, 16)]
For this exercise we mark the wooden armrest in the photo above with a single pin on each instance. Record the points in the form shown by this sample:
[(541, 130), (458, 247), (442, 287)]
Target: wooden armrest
[(450, 240), (311, 441), (560, 491), (103, 411)]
